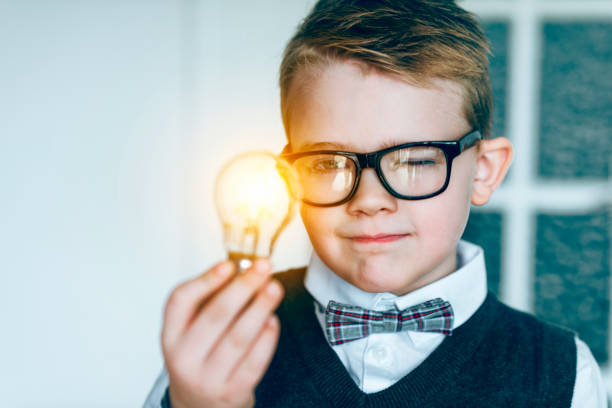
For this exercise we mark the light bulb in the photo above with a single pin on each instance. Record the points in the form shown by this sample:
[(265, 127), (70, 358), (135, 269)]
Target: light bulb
[(253, 204)]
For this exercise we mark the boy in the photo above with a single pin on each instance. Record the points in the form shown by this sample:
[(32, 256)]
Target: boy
[(386, 105)]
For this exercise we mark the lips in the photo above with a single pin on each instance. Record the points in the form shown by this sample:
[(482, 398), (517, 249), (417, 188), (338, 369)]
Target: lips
[(377, 238)]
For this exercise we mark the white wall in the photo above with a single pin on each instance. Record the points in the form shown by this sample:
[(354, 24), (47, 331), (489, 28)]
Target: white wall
[(114, 118)]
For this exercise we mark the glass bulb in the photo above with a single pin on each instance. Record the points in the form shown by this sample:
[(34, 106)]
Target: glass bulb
[(253, 204)]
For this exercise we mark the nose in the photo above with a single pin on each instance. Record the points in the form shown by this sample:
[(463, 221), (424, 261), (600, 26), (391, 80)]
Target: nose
[(371, 196)]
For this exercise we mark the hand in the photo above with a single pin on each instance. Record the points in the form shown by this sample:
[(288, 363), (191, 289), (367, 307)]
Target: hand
[(219, 335)]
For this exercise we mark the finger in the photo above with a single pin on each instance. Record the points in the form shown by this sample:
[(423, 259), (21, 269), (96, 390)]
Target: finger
[(237, 340), (185, 300), (251, 370), (222, 308)]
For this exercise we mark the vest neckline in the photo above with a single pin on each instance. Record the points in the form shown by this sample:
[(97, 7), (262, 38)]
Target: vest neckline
[(425, 381)]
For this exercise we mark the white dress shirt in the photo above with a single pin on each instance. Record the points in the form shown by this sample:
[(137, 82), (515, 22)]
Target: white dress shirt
[(380, 360)]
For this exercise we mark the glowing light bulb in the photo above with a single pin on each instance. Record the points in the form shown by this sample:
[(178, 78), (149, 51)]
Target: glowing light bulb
[(253, 204)]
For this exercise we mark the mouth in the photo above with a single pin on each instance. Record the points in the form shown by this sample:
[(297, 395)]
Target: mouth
[(378, 238)]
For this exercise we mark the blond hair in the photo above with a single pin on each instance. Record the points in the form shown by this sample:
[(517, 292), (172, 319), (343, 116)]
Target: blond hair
[(415, 40)]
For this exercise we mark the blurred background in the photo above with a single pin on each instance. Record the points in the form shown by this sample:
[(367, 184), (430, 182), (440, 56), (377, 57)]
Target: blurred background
[(116, 116)]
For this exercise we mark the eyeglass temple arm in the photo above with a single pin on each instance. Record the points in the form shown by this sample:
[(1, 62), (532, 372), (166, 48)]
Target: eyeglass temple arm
[(469, 140)]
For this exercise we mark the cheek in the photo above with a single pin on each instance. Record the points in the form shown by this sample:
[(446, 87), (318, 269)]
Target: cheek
[(320, 224), (442, 219), (433, 221)]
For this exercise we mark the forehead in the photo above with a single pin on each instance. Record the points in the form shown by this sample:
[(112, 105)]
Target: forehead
[(344, 107)]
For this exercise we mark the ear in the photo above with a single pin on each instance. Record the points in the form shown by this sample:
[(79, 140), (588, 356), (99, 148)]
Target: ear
[(492, 163)]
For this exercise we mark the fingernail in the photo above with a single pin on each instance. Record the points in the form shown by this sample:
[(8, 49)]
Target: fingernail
[(225, 269), (272, 321), (273, 289), (262, 266)]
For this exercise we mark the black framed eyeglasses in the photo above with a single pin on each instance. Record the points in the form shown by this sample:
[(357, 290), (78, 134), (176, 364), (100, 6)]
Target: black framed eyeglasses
[(410, 171)]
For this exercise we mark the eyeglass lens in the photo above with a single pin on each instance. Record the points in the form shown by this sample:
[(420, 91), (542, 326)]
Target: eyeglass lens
[(415, 171), (325, 178)]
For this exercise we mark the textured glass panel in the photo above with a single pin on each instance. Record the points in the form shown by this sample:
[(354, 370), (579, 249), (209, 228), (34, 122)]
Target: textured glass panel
[(498, 33), (576, 101), (484, 229), (572, 275)]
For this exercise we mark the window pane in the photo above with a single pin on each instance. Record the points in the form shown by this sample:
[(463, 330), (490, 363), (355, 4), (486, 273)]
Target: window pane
[(485, 229), (572, 275), (498, 33), (576, 101)]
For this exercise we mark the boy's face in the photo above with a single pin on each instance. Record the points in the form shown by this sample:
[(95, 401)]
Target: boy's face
[(346, 109)]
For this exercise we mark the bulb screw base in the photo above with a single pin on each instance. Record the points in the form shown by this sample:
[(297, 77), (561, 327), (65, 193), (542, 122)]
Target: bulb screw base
[(241, 261)]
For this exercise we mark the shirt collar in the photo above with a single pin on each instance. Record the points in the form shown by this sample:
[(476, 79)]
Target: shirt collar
[(465, 289)]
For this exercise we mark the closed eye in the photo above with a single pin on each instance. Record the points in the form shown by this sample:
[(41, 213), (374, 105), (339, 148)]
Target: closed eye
[(414, 162)]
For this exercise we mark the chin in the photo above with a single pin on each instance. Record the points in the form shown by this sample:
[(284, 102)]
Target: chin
[(376, 276), (374, 287)]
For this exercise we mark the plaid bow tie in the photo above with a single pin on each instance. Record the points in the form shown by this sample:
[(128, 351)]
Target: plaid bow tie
[(347, 323)]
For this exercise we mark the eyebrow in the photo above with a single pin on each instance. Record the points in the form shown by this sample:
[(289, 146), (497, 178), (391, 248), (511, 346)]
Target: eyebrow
[(323, 146), (343, 147)]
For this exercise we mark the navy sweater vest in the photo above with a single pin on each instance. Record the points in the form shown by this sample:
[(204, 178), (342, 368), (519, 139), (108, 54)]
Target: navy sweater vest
[(500, 357)]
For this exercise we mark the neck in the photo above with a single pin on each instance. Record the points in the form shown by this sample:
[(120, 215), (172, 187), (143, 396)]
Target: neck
[(445, 268)]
